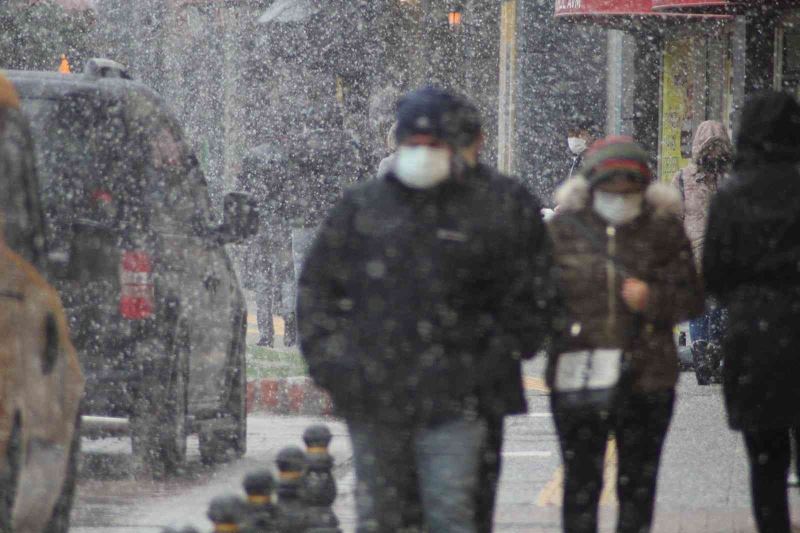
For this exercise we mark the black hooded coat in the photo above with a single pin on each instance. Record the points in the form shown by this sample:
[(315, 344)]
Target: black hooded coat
[(751, 262)]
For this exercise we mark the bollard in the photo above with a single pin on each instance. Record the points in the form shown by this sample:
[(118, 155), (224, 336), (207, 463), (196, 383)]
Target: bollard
[(291, 511), (319, 488), (261, 513), (226, 513)]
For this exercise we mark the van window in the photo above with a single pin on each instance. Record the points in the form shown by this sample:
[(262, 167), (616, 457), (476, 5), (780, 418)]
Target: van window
[(177, 193), (82, 157)]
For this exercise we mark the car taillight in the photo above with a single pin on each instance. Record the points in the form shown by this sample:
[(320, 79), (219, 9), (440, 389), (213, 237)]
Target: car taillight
[(137, 299)]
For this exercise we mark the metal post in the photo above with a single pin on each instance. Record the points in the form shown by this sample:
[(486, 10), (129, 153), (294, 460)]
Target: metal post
[(292, 465), (320, 485)]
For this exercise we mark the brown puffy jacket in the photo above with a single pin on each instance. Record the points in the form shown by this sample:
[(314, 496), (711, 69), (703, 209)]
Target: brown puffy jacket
[(40, 385), (698, 186), (653, 248)]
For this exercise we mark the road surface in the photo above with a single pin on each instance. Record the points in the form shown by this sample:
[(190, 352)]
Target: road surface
[(703, 485)]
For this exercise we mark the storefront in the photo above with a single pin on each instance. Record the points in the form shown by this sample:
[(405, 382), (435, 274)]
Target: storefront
[(696, 85), (708, 74), (683, 74)]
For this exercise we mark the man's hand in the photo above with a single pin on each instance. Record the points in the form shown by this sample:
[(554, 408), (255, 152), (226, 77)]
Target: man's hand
[(636, 293)]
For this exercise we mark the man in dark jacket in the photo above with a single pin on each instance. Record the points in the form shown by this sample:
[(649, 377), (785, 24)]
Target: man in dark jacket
[(750, 262), (417, 301), (581, 134), (268, 259)]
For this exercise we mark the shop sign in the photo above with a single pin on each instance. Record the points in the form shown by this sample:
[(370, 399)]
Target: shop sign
[(603, 7), (676, 108)]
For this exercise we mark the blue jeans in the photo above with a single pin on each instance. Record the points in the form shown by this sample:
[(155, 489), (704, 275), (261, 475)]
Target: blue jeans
[(407, 475), (709, 327)]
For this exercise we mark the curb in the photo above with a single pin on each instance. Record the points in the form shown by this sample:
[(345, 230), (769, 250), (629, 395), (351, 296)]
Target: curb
[(287, 396)]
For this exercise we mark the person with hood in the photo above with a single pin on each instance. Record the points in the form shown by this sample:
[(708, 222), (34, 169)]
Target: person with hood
[(698, 182), (625, 267), (418, 299), (750, 261)]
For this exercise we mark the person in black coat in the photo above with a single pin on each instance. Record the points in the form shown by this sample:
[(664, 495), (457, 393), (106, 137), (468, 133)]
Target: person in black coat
[(751, 263), (418, 299)]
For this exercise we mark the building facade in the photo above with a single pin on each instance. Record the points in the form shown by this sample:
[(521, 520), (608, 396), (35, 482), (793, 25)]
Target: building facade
[(706, 57)]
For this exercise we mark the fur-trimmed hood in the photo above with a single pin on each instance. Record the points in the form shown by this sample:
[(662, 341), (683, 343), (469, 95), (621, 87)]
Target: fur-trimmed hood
[(663, 199)]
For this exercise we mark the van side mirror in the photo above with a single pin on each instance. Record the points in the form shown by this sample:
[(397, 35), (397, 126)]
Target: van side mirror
[(240, 218)]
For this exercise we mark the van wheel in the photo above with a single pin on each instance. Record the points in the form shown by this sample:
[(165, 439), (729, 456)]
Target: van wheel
[(222, 445), (59, 523), (8, 479), (158, 424)]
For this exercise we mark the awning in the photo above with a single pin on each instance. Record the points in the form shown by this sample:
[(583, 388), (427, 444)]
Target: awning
[(695, 5), (568, 8), (72, 5), (289, 11), (623, 13)]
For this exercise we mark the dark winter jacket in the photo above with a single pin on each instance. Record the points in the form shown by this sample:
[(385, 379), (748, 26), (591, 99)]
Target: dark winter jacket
[(652, 248), (416, 306), (268, 257), (575, 164), (752, 264)]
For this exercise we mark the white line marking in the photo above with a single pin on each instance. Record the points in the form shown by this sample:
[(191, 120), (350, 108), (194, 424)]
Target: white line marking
[(540, 415), (528, 454)]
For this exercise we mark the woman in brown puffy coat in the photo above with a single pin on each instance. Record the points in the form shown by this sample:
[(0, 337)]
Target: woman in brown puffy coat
[(626, 271)]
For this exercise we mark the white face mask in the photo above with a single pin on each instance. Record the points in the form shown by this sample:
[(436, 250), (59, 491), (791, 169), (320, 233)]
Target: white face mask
[(576, 145), (422, 167), (616, 208)]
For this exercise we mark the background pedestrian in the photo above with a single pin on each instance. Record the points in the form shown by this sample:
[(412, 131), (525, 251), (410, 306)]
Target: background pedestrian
[(626, 270), (581, 134), (268, 267), (750, 263), (698, 182)]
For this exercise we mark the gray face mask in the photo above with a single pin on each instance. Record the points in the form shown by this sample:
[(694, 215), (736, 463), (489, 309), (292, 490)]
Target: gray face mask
[(617, 209)]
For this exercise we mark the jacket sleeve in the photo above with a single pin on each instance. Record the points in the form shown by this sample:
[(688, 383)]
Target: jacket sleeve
[(718, 249), (676, 182), (323, 307), (676, 293), (531, 300)]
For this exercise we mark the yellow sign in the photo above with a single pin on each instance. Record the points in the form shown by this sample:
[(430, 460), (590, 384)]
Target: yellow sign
[(676, 107)]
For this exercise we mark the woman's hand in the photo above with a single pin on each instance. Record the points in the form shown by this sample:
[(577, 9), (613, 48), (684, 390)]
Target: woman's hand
[(636, 293)]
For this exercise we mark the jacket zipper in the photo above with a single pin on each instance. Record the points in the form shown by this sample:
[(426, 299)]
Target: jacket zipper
[(611, 279)]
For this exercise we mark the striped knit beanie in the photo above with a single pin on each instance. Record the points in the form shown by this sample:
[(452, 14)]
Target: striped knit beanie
[(616, 156)]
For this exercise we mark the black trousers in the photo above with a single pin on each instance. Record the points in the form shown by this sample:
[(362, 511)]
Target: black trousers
[(491, 463), (769, 452), (265, 308), (640, 426)]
